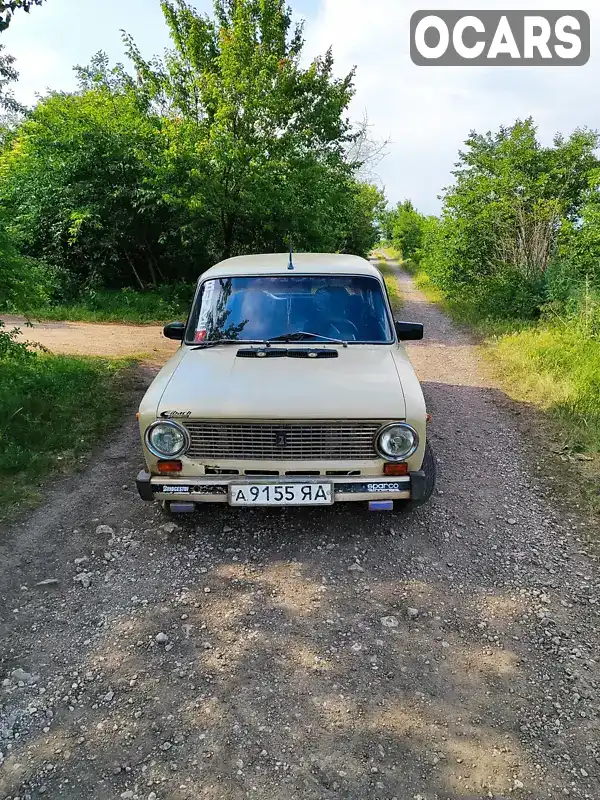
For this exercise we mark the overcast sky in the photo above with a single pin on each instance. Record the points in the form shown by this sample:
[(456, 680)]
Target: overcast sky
[(426, 112)]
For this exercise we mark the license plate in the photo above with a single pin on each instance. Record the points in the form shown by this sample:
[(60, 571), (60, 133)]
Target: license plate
[(281, 494)]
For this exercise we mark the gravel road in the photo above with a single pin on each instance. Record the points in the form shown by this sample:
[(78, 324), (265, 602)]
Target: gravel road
[(114, 341), (283, 655)]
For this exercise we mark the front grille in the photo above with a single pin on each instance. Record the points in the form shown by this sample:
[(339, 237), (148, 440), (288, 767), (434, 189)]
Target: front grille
[(285, 441)]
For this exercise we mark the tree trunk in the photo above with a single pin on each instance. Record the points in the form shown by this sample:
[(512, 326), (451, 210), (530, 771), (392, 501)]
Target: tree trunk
[(135, 272), (150, 263), (228, 224)]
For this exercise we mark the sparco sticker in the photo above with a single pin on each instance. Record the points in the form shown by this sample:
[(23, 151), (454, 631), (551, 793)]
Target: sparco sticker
[(386, 487)]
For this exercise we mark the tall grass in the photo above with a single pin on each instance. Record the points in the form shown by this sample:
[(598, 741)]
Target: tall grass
[(552, 363), (558, 370), (54, 409), (391, 283)]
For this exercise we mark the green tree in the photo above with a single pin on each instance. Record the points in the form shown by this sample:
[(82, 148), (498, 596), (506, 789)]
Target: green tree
[(357, 231), (407, 230), (8, 8), (272, 131), (8, 75), (503, 217), (228, 146), (78, 183)]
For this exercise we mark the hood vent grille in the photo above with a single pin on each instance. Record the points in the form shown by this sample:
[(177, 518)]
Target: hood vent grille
[(255, 352), (277, 352), (312, 354)]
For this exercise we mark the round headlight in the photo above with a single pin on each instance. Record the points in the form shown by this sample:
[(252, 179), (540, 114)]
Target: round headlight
[(397, 442), (167, 439)]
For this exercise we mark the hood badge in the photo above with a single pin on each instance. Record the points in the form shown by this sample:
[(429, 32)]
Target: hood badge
[(176, 414), (281, 439)]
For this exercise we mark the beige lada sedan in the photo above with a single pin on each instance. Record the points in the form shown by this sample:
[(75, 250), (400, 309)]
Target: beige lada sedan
[(291, 387)]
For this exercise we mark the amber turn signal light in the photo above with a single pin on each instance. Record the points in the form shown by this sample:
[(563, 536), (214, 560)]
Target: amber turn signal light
[(395, 469), (170, 466)]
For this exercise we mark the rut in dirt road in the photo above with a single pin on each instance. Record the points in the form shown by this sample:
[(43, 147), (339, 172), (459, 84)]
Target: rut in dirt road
[(311, 654)]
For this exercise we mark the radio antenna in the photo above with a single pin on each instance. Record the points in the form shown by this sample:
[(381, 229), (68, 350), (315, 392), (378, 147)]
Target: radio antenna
[(291, 261)]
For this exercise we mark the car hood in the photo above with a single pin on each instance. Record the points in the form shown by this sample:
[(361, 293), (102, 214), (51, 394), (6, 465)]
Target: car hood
[(362, 382)]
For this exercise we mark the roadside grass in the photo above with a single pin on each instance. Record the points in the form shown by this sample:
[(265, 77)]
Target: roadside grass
[(424, 283), (558, 370), (127, 306), (391, 283), (422, 280), (54, 410), (551, 366)]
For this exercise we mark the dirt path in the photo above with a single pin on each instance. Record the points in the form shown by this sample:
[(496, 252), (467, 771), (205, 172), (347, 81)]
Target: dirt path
[(310, 655), (91, 339)]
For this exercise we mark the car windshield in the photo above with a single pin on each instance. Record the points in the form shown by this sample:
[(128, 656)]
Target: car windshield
[(350, 308)]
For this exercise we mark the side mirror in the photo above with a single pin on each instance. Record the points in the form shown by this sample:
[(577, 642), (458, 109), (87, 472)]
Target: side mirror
[(175, 330), (409, 331)]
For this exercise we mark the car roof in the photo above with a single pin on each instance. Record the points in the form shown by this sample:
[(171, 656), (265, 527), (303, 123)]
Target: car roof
[(304, 264)]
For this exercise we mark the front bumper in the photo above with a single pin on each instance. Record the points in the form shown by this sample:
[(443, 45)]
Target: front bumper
[(215, 489)]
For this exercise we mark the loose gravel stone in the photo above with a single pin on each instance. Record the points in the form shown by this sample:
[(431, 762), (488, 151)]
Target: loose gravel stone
[(355, 568), (105, 530), (48, 582), (170, 527)]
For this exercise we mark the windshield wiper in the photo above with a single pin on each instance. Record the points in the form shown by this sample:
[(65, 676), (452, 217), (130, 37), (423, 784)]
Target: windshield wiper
[(300, 335), (215, 342)]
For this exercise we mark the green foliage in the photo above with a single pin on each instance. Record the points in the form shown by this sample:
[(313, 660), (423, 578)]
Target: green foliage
[(514, 205), (8, 8), (227, 146), (407, 230), (403, 228), (265, 135), (391, 283), (355, 225), (54, 409), (76, 183), (24, 283), (516, 254), (8, 75), (557, 369), (168, 303)]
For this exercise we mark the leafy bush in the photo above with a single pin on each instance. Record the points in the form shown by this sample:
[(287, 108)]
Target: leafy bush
[(519, 228), (403, 229), (54, 408), (24, 282), (226, 147), (168, 302)]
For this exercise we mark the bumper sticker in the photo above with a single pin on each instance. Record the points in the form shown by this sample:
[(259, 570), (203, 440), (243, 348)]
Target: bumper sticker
[(387, 487), (205, 311)]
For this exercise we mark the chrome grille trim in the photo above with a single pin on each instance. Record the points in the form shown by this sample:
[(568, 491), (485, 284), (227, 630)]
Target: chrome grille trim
[(283, 441)]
